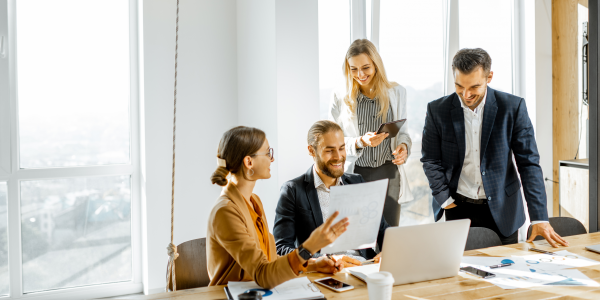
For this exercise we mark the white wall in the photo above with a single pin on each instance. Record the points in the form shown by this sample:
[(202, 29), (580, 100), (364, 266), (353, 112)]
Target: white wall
[(543, 90), (297, 39), (207, 84), (257, 85), (252, 63)]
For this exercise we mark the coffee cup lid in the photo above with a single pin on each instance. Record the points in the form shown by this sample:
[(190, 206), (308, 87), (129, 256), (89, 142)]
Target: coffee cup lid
[(381, 278)]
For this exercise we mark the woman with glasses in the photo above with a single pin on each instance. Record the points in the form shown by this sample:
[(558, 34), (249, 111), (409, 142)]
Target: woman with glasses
[(239, 245), (368, 101)]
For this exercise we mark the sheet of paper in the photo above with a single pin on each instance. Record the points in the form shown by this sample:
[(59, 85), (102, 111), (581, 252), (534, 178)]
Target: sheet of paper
[(525, 273), (563, 260), (298, 288), (482, 262), (363, 271), (362, 203)]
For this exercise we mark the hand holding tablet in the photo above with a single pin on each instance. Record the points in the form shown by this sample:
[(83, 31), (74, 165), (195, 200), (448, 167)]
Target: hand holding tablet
[(392, 128)]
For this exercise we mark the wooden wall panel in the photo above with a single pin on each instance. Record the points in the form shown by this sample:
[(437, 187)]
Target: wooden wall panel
[(565, 112)]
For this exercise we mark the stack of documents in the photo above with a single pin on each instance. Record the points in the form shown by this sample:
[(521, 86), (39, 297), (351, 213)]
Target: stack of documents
[(298, 288), (534, 270)]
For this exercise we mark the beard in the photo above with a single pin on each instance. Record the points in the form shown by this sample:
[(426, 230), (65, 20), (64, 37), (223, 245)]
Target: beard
[(476, 103), (324, 167)]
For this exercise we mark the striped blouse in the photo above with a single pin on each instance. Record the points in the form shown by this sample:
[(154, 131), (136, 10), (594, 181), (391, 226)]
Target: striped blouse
[(367, 111)]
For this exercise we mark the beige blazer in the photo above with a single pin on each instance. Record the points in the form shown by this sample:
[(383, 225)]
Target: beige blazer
[(233, 248)]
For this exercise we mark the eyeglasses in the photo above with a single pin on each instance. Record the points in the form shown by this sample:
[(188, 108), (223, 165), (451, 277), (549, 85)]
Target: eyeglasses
[(271, 153)]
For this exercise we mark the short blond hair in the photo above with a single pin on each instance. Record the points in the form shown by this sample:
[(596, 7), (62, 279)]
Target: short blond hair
[(317, 130)]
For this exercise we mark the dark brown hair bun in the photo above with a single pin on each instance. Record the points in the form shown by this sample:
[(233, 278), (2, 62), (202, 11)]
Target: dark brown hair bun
[(236, 143)]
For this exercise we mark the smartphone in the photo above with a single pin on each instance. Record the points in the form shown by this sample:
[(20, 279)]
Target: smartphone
[(334, 284), (479, 273)]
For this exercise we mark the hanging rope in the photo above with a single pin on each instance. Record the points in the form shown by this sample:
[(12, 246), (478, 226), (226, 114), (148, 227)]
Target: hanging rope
[(171, 248)]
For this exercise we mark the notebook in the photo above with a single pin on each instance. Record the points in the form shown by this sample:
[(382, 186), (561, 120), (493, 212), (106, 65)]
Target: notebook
[(298, 288)]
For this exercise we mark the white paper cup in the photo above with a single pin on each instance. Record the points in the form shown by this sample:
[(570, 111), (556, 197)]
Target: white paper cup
[(380, 285)]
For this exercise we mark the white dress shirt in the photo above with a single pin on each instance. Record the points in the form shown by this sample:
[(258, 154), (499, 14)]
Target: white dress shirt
[(323, 192), (470, 183)]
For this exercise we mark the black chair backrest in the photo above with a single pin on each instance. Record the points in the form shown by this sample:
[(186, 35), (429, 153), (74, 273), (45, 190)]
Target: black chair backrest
[(481, 237), (190, 266), (564, 226)]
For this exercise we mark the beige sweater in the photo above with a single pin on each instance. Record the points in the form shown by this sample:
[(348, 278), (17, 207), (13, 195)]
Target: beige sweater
[(233, 247)]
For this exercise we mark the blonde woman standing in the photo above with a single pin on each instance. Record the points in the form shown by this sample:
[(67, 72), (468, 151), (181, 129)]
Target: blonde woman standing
[(369, 100)]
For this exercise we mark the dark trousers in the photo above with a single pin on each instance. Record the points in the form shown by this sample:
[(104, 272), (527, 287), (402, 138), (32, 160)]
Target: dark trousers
[(480, 216), (391, 208)]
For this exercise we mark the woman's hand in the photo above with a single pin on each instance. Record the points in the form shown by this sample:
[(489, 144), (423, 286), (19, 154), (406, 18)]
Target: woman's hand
[(348, 262), (325, 234), (377, 258), (372, 139), (400, 154), (325, 265)]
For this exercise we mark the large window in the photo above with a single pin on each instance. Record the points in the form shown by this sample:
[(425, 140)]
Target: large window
[(73, 175), (495, 37), (417, 40), (415, 60), (334, 39)]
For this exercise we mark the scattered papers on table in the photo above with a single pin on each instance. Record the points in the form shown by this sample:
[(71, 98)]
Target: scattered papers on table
[(362, 203), (298, 288), (525, 273), (563, 260)]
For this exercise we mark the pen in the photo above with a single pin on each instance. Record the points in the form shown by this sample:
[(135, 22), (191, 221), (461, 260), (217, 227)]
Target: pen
[(501, 265), (541, 251), (334, 261)]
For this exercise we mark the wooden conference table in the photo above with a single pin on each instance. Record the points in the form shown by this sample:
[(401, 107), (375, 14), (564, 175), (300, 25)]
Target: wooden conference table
[(457, 287)]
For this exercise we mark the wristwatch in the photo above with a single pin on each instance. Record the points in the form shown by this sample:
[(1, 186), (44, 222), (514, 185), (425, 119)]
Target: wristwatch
[(305, 254)]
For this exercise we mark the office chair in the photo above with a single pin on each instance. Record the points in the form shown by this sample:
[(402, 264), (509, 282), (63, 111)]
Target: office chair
[(190, 267), (481, 237), (564, 226)]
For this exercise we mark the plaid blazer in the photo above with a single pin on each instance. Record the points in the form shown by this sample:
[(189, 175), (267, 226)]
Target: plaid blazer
[(506, 130)]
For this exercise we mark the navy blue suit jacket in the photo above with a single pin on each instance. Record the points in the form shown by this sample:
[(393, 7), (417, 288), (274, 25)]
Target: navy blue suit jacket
[(298, 213), (506, 130)]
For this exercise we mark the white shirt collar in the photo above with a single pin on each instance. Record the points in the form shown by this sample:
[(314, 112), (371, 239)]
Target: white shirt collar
[(479, 107), (319, 182)]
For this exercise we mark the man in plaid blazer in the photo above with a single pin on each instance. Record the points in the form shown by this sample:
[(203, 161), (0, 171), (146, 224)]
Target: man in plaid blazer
[(469, 140)]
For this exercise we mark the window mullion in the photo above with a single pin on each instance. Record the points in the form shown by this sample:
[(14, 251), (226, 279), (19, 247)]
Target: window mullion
[(358, 20), (375, 21), (14, 209), (135, 138), (518, 48), (14, 239), (4, 94), (451, 42)]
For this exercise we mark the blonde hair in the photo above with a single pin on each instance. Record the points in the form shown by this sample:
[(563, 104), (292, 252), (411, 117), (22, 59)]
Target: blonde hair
[(381, 85)]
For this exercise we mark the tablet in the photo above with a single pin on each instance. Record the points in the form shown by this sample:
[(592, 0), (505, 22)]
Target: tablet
[(391, 127)]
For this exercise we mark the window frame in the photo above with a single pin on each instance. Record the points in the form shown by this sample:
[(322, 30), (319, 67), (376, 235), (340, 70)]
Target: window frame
[(14, 175)]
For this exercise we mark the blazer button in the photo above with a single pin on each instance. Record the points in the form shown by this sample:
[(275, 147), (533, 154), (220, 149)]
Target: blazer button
[(490, 198), (483, 173)]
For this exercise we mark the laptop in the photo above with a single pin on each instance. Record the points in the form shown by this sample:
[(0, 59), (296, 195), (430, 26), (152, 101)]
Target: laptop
[(421, 252), (594, 248)]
